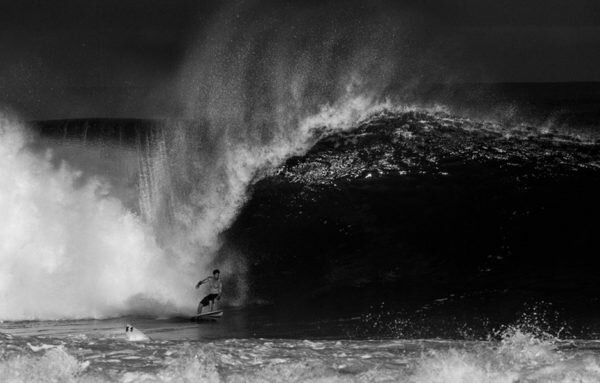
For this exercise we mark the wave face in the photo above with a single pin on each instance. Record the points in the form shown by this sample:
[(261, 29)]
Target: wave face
[(415, 205)]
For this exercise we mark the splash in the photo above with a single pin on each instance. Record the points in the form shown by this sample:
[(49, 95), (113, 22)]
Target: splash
[(56, 365), (519, 356), (70, 250), (259, 87)]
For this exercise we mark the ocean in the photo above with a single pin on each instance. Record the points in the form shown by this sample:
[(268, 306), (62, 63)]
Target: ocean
[(377, 241)]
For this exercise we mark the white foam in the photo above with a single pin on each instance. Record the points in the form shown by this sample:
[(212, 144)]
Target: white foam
[(251, 360), (67, 248)]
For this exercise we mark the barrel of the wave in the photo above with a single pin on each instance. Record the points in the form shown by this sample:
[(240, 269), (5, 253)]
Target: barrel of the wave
[(215, 289)]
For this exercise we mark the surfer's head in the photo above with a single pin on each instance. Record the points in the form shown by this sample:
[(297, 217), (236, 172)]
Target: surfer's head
[(216, 273)]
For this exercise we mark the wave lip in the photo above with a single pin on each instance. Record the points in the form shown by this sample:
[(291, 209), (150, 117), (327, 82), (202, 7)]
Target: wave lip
[(389, 142)]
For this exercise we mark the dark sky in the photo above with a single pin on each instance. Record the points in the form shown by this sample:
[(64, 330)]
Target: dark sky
[(120, 58)]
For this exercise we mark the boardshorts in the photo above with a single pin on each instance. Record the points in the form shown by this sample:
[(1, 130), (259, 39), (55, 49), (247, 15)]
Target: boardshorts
[(209, 298)]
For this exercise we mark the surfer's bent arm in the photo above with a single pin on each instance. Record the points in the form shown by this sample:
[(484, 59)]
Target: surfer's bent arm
[(202, 281)]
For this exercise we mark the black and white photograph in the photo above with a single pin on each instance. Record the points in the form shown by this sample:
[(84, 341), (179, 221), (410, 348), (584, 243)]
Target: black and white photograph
[(300, 191)]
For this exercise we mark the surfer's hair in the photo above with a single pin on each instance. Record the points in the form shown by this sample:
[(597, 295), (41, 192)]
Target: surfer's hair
[(216, 271)]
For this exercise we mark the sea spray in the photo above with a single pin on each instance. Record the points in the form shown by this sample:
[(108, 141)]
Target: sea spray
[(254, 87), (68, 248), (259, 91), (194, 178)]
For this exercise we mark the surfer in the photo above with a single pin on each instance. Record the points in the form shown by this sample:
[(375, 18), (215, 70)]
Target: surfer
[(214, 290)]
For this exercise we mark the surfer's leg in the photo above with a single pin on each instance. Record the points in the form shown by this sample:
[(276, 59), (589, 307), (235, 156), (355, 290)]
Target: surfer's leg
[(213, 302), (203, 302)]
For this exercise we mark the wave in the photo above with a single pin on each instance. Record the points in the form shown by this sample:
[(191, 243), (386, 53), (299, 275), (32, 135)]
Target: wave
[(254, 94), (414, 205), (193, 185)]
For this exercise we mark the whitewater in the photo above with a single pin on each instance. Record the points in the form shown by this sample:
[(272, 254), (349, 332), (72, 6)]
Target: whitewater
[(103, 355)]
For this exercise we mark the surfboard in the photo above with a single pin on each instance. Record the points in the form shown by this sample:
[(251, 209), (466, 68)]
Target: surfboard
[(209, 315)]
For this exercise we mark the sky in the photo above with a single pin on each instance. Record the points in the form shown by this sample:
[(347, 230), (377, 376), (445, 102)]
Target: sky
[(122, 58)]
